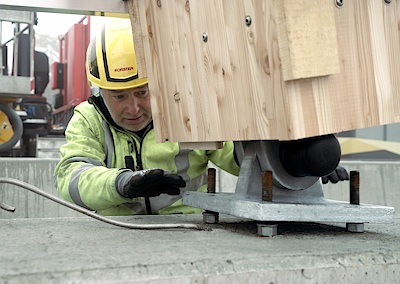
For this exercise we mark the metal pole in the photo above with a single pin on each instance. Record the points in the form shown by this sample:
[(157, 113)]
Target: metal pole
[(16, 41), (15, 36), (32, 52)]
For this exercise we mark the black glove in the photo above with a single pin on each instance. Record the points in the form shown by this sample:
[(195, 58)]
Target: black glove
[(148, 183), (337, 175)]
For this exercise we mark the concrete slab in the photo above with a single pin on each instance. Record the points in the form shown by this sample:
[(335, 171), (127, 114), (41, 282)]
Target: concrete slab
[(84, 250)]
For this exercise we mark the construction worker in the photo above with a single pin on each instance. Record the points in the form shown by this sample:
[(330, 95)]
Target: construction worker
[(111, 162)]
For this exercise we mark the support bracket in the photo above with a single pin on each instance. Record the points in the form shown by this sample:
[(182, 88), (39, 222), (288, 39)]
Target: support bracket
[(305, 204)]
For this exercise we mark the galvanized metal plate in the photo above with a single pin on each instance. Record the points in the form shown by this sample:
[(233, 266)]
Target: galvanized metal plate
[(323, 210)]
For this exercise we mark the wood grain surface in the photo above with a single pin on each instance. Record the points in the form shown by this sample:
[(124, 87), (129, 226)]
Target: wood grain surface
[(232, 86)]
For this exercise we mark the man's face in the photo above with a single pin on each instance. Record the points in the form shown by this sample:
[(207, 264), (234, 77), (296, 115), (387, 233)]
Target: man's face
[(129, 108)]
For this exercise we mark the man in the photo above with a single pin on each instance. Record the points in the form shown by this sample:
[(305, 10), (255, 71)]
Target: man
[(111, 162)]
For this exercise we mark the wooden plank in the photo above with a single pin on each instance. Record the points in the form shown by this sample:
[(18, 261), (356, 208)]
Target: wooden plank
[(202, 145), (133, 11), (232, 87), (307, 38)]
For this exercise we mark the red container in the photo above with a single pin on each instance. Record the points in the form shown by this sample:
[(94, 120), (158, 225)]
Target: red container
[(73, 45)]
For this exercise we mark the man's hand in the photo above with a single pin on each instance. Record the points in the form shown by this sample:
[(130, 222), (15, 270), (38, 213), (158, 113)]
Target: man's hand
[(148, 183), (339, 174)]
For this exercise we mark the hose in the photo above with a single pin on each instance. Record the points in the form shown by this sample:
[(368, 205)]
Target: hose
[(91, 213)]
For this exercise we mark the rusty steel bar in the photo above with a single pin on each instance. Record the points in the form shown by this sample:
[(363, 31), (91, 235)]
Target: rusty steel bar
[(211, 180), (210, 217), (267, 186), (354, 187)]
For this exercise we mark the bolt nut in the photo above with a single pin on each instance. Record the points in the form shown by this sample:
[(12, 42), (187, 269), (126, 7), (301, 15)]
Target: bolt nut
[(267, 230), (339, 3), (248, 21), (387, 2), (210, 217), (355, 227), (205, 37)]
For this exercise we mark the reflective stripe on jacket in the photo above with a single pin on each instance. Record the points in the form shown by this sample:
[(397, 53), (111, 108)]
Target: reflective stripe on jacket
[(95, 154)]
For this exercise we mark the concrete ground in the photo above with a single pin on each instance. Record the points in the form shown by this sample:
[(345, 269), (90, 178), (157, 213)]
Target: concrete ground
[(84, 250), (43, 242)]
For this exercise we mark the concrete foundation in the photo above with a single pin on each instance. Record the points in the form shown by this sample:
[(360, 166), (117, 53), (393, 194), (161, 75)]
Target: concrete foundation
[(35, 247), (84, 250)]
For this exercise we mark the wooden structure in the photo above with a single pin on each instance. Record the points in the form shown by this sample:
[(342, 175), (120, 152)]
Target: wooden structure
[(268, 69)]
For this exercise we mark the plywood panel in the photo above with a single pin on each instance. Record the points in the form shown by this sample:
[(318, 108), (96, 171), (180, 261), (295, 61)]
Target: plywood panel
[(307, 38), (232, 87)]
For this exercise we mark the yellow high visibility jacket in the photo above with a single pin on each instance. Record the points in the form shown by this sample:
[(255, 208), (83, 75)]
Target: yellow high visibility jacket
[(95, 155)]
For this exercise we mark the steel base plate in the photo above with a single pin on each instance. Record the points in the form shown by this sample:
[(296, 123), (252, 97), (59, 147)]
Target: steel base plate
[(321, 210)]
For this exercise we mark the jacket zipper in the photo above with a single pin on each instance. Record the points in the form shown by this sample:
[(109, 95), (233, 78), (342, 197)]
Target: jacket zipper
[(139, 165)]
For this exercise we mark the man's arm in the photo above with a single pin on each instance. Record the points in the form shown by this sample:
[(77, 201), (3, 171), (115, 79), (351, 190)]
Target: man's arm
[(81, 175)]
